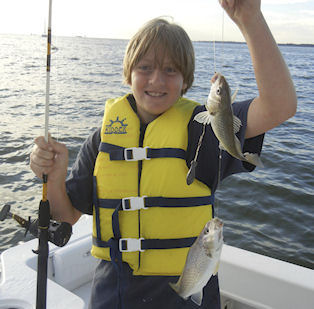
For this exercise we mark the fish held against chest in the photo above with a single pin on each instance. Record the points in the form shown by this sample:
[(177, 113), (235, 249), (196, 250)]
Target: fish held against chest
[(201, 263), (224, 124)]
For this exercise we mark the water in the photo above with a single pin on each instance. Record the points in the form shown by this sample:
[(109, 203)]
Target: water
[(269, 211)]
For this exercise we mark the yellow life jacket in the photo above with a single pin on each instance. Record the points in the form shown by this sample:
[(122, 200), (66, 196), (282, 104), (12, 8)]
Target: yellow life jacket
[(142, 204)]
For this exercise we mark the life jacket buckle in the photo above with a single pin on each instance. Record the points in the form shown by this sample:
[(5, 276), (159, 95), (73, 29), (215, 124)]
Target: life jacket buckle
[(135, 154), (133, 203), (130, 244)]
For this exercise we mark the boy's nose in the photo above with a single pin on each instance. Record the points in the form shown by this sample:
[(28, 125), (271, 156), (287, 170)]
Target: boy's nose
[(156, 77)]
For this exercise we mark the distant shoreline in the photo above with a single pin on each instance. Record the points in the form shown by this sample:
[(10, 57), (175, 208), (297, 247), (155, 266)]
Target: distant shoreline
[(195, 41), (280, 44)]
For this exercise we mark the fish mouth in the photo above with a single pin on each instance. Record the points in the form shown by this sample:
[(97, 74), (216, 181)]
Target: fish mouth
[(217, 223), (215, 77)]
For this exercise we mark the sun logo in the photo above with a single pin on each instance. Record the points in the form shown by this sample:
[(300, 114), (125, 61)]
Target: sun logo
[(116, 126)]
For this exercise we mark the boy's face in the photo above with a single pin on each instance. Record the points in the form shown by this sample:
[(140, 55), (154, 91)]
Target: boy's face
[(156, 85)]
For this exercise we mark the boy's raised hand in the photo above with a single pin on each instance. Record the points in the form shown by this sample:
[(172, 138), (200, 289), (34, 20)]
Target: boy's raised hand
[(242, 12)]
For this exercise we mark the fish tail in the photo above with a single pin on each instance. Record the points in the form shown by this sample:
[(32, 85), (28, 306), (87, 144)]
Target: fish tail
[(197, 297), (254, 159)]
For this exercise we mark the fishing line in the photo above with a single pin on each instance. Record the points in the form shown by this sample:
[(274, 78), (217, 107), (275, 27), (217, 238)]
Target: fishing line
[(222, 39), (222, 64), (222, 43), (192, 171), (219, 178), (214, 46)]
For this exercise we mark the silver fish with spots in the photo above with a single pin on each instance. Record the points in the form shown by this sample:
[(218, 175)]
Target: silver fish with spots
[(201, 263), (224, 124)]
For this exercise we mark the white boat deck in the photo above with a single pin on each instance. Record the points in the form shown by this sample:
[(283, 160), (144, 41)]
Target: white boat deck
[(247, 280)]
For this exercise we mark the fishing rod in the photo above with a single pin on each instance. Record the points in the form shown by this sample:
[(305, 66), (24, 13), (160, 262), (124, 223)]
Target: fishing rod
[(44, 227), (44, 207)]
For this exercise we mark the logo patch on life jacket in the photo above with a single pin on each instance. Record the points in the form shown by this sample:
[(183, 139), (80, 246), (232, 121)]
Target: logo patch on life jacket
[(116, 126)]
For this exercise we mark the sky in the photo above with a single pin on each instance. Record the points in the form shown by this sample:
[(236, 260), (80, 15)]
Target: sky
[(291, 21)]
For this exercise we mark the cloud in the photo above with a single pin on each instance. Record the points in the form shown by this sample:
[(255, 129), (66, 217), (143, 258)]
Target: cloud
[(277, 2), (288, 27), (307, 12)]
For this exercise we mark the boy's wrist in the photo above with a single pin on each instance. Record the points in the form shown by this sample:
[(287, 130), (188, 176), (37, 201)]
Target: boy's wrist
[(56, 188), (251, 24)]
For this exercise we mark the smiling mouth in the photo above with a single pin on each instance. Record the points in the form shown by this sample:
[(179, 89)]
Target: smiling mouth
[(155, 94)]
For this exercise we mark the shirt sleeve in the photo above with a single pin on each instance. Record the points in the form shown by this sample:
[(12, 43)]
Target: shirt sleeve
[(79, 183), (208, 157)]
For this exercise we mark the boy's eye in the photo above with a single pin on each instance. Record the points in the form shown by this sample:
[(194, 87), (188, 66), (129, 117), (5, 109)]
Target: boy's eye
[(145, 68), (170, 70)]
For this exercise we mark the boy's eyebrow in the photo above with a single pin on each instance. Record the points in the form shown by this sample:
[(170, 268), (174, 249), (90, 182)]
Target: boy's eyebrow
[(146, 59), (156, 60)]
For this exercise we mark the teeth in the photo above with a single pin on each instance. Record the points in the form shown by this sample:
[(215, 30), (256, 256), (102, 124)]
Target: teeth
[(155, 94)]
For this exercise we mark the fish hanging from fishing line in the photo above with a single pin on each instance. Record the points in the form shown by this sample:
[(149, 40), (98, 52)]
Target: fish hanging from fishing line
[(224, 124), (201, 263)]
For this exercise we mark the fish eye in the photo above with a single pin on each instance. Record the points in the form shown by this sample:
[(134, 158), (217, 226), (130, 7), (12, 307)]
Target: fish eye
[(218, 91)]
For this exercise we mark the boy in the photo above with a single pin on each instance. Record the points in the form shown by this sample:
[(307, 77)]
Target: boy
[(131, 174)]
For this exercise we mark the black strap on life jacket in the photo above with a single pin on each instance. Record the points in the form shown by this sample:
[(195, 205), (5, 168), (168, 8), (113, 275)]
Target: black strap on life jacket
[(138, 153), (157, 201)]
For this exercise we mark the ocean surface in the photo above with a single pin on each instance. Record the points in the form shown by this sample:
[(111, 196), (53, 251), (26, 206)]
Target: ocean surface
[(269, 211)]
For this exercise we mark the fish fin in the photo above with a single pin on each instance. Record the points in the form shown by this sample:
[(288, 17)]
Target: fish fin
[(238, 146), (233, 97), (236, 124), (203, 117), (208, 252), (222, 147), (174, 286), (197, 297), (254, 159), (216, 269)]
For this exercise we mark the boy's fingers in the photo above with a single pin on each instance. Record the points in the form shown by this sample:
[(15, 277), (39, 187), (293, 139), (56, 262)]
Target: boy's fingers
[(38, 170), (58, 147), (42, 153), (41, 161), (41, 143)]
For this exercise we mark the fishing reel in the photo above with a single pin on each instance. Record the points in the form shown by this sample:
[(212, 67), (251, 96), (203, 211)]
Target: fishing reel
[(59, 233)]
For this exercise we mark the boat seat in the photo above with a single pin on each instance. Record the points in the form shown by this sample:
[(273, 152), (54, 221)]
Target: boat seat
[(73, 265)]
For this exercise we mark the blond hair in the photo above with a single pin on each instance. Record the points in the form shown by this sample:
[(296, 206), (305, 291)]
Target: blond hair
[(168, 37)]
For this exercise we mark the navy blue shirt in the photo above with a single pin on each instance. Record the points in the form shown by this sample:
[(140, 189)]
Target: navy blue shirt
[(154, 291)]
